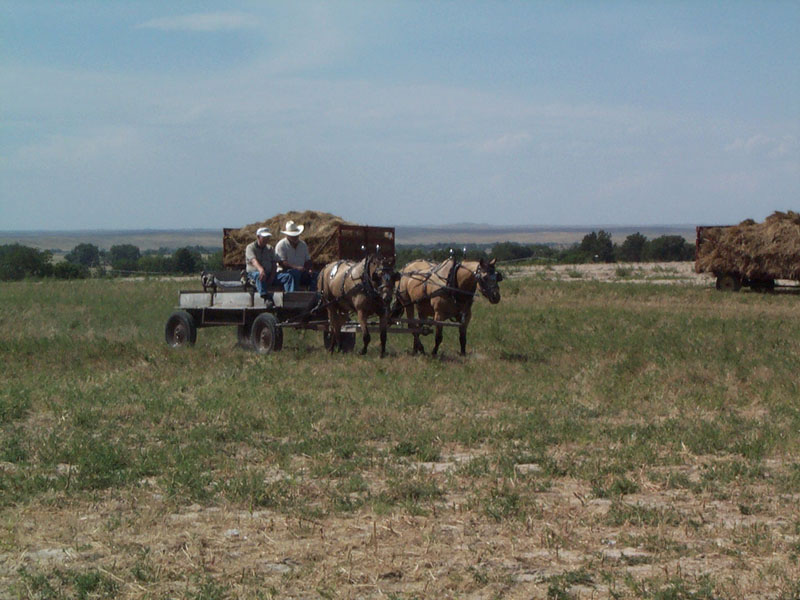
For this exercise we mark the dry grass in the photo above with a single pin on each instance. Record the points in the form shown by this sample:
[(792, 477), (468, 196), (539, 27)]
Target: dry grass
[(600, 441)]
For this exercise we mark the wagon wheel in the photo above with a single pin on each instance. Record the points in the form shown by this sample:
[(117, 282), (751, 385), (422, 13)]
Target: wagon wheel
[(243, 335), (181, 330), (264, 333), (728, 282)]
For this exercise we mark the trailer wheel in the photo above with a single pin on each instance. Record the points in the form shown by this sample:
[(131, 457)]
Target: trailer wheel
[(728, 282), (181, 330), (243, 336), (264, 333), (347, 341)]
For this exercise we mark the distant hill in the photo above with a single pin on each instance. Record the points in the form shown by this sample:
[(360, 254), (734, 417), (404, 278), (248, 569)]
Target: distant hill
[(461, 233)]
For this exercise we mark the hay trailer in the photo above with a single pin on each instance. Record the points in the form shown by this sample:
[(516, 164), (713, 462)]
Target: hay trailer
[(734, 268), (228, 299)]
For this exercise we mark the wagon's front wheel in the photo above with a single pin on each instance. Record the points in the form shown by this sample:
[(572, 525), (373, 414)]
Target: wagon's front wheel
[(181, 330), (264, 334)]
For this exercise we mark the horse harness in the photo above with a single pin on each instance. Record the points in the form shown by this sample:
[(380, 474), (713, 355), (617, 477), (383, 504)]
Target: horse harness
[(450, 286), (364, 285)]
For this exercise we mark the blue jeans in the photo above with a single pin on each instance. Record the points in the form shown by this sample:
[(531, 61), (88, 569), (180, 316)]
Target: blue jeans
[(291, 279), (261, 286)]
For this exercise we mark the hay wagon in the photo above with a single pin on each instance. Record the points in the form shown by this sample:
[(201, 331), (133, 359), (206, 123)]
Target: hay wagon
[(754, 255), (228, 299)]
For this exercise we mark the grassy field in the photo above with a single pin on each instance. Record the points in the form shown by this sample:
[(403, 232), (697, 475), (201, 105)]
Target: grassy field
[(600, 440)]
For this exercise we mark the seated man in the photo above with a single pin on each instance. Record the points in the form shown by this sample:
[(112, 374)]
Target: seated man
[(294, 261), (260, 259)]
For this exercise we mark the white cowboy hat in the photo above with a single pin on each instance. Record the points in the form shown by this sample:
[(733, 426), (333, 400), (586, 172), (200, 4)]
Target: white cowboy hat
[(263, 232), (292, 229)]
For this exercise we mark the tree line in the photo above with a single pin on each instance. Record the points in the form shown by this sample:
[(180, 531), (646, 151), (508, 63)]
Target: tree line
[(86, 260), (596, 246)]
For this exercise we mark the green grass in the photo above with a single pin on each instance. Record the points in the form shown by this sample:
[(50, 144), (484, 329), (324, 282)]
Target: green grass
[(611, 386)]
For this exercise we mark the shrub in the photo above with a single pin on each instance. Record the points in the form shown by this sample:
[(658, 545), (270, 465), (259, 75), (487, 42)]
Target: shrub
[(68, 270), (18, 261)]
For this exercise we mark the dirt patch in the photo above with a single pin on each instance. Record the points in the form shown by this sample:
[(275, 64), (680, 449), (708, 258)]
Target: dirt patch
[(567, 540)]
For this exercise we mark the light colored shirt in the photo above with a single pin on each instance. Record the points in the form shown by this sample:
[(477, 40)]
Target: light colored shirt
[(294, 256), (265, 256)]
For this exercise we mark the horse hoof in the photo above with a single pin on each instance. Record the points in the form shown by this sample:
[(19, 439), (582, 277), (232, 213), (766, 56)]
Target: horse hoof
[(363, 352)]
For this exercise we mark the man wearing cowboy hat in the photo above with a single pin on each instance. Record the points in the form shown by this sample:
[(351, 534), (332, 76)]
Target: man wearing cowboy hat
[(294, 261), (260, 259)]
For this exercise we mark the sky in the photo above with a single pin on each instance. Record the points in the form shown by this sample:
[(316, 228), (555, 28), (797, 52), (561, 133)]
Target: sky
[(201, 114)]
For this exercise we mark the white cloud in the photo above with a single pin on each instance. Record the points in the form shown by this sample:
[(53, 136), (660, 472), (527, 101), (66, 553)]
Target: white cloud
[(760, 144), (508, 142), (77, 151), (220, 21)]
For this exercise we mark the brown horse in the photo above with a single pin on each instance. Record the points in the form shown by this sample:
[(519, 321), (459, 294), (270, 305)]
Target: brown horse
[(446, 291), (364, 287)]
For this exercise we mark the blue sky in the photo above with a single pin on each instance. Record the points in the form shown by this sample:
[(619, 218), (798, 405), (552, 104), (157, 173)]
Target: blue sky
[(163, 115)]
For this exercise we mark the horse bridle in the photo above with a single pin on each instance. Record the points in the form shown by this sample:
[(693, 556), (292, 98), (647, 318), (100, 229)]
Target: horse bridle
[(487, 279)]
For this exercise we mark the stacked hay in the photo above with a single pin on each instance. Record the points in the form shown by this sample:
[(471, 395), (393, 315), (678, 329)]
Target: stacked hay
[(768, 250), (319, 234)]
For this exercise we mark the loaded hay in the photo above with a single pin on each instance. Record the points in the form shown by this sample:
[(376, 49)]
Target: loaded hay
[(319, 234), (758, 251)]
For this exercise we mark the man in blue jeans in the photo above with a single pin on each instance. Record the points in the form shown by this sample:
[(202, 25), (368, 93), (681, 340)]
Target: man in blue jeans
[(260, 259), (294, 261)]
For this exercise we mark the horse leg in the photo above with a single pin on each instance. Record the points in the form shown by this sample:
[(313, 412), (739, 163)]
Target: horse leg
[(384, 326), (418, 347), (437, 316), (437, 339), (333, 329), (362, 320), (462, 332)]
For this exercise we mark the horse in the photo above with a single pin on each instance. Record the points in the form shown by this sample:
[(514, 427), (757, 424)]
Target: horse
[(445, 291), (365, 287)]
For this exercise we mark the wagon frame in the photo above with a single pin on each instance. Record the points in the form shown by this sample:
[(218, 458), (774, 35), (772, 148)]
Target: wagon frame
[(260, 326), (728, 280)]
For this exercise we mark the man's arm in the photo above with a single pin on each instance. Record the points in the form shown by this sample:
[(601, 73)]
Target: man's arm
[(281, 255)]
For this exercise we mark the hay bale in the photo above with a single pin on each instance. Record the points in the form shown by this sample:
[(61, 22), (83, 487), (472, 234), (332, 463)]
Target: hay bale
[(758, 251), (319, 234)]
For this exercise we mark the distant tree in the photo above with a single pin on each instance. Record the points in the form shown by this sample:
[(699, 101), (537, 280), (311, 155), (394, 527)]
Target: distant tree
[(124, 257), (543, 251), (18, 261), (214, 261), (87, 255), (407, 254), (187, 260), (155, 263), (597, 246), (69, 270), (511, 251), (669, 248), (632, 249)]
